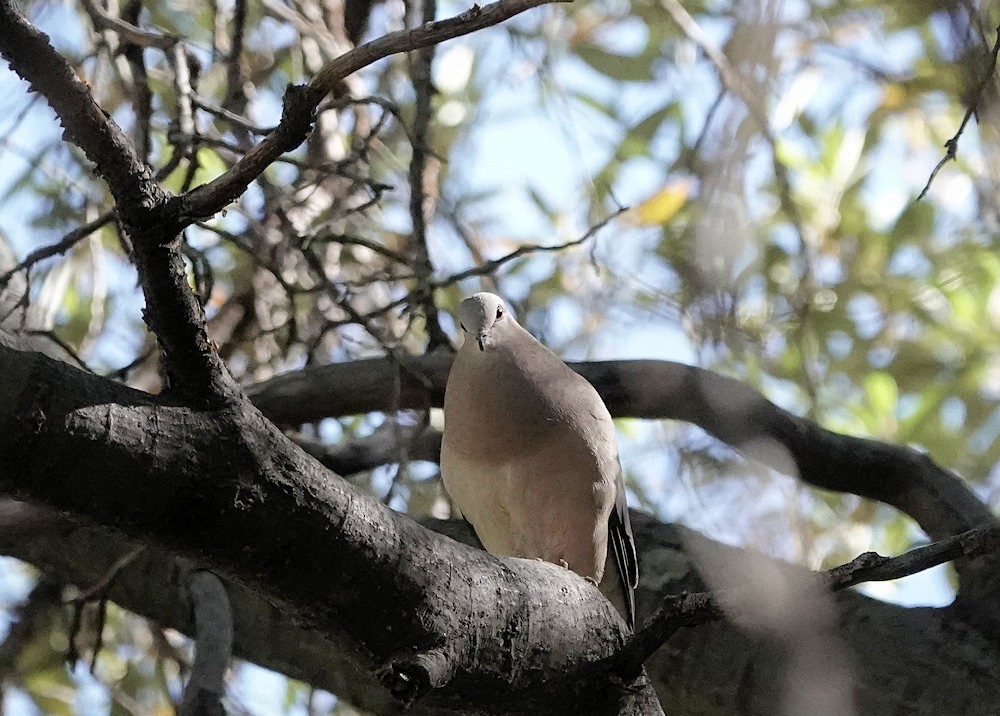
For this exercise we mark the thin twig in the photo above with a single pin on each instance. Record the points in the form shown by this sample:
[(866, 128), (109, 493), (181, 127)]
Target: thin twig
[(300, 103), (231, 117), (873, 567), (490, 266), (60, 247), (101, 586), (127, 31), (951, 146)]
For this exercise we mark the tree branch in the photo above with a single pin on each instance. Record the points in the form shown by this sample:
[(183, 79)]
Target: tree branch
[(125, 30), (422, 178), (143, 207), (382, 447), (729, 410), (213, 623), (300, 102), (60, 247), (951, 146), (86, 125), (226, 489), (715, 664), (689, 610), (873, 567), (152, 218)]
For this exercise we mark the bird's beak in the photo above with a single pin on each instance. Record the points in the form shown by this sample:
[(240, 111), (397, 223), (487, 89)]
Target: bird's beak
[(481, 340)]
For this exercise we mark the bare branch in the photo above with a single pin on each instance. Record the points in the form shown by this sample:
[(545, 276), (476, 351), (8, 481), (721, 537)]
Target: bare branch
[(300, 102), (380, 448), (951, 146), (86, 125), (731, 411), (60, 247), (128, 32), (347, 558), (873, 567), (213, 622), (423, 179), (688, 610), (488, 267), (143, 207)]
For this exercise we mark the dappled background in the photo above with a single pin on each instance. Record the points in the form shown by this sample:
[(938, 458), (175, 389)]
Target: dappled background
[(729, 184)]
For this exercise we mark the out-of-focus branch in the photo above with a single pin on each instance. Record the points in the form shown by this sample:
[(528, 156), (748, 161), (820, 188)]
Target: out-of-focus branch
[(688, 610), (235, 101), (182, 127), (60, 247), (29, 623), (380, 448), (125, 30), (489, 267), (728, 409), (749, 92), (213, 646), (139, 89)]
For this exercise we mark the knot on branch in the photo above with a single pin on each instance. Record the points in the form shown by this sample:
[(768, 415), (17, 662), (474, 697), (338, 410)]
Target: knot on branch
[(298, 112), (410, 677)]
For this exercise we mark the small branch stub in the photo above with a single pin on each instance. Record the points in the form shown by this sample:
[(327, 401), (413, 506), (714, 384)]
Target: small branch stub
[(410, 677)]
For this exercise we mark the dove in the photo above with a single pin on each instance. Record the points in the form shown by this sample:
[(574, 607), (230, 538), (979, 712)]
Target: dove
[(529, 455)]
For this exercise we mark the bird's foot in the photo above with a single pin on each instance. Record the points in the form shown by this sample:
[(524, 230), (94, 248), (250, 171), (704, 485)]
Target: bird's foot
[(591, 580)]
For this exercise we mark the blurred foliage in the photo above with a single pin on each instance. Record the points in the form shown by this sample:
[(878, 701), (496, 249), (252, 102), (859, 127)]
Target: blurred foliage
[(771, 157)]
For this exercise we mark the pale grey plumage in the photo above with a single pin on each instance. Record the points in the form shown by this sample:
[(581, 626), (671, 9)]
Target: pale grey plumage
[(529, 454)]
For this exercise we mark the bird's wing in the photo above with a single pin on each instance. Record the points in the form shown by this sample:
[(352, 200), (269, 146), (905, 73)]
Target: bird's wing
[(622, 545)]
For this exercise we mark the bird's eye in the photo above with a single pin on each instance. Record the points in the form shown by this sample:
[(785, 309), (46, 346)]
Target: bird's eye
[(462, 326), (499, 312)]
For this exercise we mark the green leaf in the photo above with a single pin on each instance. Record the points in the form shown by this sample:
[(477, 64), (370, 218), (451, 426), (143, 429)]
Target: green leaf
[(881, 393)]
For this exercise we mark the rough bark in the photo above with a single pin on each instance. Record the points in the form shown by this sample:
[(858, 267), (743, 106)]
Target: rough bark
[(225, 489), (903, 660)]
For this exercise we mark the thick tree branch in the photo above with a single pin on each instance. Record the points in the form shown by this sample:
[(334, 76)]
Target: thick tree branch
[(226, 489), (731, 411), (143, 207), (728, 409), (713, 664)]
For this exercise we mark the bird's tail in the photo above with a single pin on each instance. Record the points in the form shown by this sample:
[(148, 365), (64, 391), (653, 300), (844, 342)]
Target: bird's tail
[(621, 574)]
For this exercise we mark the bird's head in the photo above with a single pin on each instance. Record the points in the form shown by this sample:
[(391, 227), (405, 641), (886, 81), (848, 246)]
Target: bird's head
[(482, 317)]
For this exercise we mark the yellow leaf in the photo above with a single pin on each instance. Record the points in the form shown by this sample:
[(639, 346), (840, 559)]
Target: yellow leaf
[(664, 204), (893, 96)]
